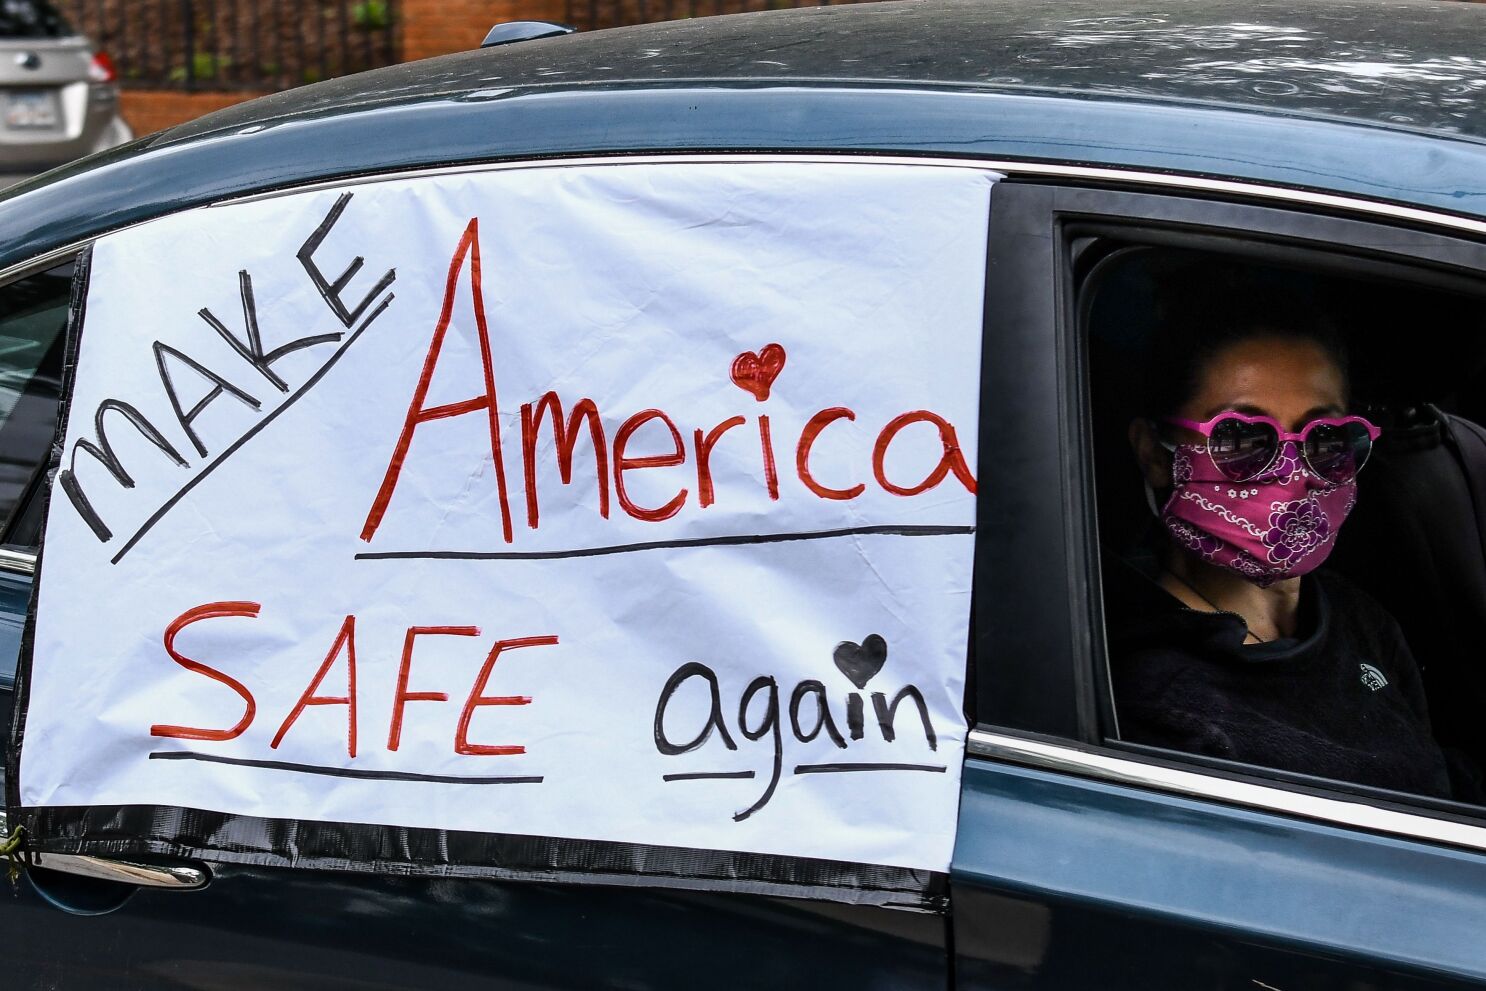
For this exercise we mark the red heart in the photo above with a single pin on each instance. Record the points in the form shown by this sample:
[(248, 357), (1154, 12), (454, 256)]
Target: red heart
[(756, 373)]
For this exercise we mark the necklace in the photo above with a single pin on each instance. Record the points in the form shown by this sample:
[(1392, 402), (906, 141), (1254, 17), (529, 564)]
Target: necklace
[(1216, 608)]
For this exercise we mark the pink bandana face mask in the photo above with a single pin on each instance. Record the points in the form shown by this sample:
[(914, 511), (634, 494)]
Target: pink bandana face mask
[(1279, 524)]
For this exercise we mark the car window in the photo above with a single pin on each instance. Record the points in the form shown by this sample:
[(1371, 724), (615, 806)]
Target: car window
[(31, 19), (1289, 459), (33, 317)]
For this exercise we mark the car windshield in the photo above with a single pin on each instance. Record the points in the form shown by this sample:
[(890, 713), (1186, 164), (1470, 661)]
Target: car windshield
[(31, 19)]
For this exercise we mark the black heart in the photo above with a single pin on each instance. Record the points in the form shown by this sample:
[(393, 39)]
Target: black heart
[(860, 662)]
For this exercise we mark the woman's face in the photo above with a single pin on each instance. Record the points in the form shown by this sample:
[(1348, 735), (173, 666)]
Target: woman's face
[(1294, 381)]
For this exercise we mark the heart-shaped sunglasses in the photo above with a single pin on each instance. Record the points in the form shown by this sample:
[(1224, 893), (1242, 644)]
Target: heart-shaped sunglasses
[(1243, 447)]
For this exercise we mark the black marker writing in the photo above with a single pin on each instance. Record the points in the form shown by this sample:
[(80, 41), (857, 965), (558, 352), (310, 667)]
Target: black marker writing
[(855, 723), (886, 713), (331, 291), (219, 386), (714, 715), (755, 720), (251, 348), (104, 452), (823, 718), (770, 725)]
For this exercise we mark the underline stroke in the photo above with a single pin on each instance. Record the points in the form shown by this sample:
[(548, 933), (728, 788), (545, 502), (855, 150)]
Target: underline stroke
[(895, 530), (838, 768), (346, 772), (810, 769)]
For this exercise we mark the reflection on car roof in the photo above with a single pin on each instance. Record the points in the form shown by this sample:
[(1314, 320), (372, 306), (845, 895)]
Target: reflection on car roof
[(1414, 64)]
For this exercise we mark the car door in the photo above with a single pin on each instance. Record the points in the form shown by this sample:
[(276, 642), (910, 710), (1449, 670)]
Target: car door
[(260, 926), (1087, 862)]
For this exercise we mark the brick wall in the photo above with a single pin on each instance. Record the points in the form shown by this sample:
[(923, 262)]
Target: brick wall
[(150, 110), (427, 28), (438, 27)]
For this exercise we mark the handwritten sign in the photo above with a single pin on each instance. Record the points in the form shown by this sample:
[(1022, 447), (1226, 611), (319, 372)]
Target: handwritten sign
[(627, 503)]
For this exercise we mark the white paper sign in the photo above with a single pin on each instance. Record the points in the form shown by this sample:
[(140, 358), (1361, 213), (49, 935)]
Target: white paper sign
[(627, 502)]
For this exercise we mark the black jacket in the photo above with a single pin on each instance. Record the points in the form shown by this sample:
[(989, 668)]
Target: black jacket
[(1342, 699)]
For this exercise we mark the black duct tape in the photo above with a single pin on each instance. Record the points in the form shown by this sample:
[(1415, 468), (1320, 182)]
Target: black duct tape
[(135, 830)]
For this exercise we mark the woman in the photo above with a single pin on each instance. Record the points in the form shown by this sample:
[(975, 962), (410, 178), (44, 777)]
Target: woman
[(1236, 647)]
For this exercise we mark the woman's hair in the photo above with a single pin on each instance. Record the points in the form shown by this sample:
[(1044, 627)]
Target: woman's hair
[(1199, 317)]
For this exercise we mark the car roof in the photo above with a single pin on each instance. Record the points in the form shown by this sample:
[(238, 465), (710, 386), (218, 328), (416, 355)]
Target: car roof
[(1415, 64), (1371, 98)]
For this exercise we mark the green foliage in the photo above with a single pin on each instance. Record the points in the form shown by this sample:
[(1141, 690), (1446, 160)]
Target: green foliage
[(204, 65), (371, 15)]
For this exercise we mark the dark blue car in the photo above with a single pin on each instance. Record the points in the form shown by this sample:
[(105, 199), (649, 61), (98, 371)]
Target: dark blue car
[(1332, 152)]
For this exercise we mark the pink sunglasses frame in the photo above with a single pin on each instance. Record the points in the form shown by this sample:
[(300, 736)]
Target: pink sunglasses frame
[(1205, 428)]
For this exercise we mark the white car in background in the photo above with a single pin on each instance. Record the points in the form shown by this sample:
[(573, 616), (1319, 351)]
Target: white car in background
[(58, 97)]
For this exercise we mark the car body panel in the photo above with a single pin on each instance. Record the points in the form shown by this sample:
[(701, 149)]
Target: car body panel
[(262, 928), (87, 110), (1404, 64), (1332, 101), (129, 186), (57, 61), (1242, 898)]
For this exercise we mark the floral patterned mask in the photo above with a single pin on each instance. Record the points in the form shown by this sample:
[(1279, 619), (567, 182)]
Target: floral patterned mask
[(1280, 524)]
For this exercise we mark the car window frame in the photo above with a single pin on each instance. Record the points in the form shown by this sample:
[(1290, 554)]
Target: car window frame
[(1065, 738), (12, 559)]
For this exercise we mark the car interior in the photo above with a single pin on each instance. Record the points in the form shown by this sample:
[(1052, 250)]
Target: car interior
[(1416, 540)]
